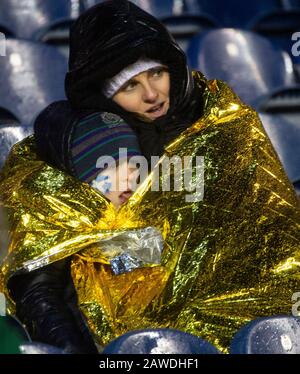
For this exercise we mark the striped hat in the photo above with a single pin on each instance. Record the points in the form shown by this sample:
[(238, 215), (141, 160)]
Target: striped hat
[(101, 135)]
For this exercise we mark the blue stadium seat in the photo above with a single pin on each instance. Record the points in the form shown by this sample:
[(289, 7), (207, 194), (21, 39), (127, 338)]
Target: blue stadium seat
[(234, 13), (158, 8), (40, 349), (10, 135), (290, 4), (268, 335), (249, 63), (294, 44), (48, 21), (276, 20), (161, 9), (159, 341), (285, 137), (89, 3), (297, 187), (284, 101), (186, 26), (182, 23), (26, 19), (297, 71), (279, 28), (31, 77), (8, 118)]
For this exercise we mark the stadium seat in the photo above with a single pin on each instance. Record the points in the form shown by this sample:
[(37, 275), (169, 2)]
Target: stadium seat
[(13, 335), (285, 137), (7, 118), (161, 9), (285, 101), (274, 19), (39, 348), (234, 13), (290, 4), (297, 187), (182, 23), (279, 28), (89, 3), (297, 70), (31, 77), (26, 19), (9, 135), (158, 8), (249, 63), (159, 341), (268, 335), (47, 21), (295, 52)]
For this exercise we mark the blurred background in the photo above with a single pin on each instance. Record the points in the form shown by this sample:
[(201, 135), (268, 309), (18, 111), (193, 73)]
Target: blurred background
[(254, 46)]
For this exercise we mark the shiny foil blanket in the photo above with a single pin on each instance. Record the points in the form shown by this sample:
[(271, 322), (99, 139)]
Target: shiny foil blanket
[(228, 258)]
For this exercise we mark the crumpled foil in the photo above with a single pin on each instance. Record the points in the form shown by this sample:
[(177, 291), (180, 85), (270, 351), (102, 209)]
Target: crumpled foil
[(133, 249), (229, 257)]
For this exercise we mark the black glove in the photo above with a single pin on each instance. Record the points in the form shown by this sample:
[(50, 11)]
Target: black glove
[(41, 305)]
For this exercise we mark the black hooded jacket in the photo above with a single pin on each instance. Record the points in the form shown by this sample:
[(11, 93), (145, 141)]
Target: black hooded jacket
[(103, 41), (109, 37)]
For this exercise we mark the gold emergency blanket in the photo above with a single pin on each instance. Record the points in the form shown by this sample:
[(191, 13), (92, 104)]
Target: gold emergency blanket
[(228, 258)]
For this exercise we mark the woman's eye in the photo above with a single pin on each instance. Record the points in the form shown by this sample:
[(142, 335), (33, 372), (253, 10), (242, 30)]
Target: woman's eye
[(157, 73), (130, 86)]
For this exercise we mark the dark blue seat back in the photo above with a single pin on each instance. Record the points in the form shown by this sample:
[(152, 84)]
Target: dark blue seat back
[(297, 187), (40, 348), (250, 64), (8, 118), (10, 135), (161, 9), (269, 335), (89, 3), (279, 28), (290, 4), (285, 137), (157, 8), (159, 341), (31, 77), (234, 13), (182, 23), (294, 45), (26, 18)]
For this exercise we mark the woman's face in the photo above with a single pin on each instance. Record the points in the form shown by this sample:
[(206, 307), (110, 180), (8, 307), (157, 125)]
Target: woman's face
[(146, 94)]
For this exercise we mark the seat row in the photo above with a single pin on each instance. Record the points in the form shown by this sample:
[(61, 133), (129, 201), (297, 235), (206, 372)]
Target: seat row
[(266, 335), (49, 21)]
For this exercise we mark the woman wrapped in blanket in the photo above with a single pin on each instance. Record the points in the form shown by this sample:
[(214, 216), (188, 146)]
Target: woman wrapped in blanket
[(227, 213)]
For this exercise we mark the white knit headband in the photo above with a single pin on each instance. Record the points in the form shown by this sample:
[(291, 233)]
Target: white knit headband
[(113, 84)]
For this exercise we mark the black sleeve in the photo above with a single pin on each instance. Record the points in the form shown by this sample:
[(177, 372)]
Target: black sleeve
[(41, 306)]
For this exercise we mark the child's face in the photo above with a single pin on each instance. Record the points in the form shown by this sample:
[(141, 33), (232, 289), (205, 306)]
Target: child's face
[(117, 184)]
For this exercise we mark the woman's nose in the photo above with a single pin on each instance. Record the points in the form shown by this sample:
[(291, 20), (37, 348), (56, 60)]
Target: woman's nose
[(150, 93)]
